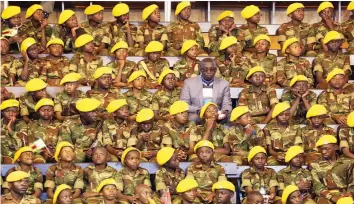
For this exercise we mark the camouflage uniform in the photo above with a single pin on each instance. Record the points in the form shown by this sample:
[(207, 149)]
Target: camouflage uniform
[(59, 31), (128, 69), (216, 35), (155, 68), (348, 28), (299, 116), (340, 104), (112, 94), (35, 179), (288, 69), (119, 33), (127, 182), (35, 68), (146, 34), (136, 104), (319, 31), (258, 101), (10, 143), (168, 180), (84, 137), (100, 34), (162, 100), (27, 30), (183, 68), (325, 64), (239, 139), (251, 34), (7, 68), (269, 64), (252, 178), (240, 69), (55, 70), (346, 137), (66, 105), (85, 69), (179, 31), (223, 65), (282, 141), (27, 105), (27, 199)]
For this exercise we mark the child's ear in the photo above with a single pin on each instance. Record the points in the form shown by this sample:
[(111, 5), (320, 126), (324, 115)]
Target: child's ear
[(287, 50)]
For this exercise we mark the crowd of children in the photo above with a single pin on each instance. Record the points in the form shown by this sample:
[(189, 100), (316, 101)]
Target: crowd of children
[(105, 125)]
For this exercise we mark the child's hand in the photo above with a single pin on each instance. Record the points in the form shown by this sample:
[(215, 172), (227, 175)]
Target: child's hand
[(10, 124), (306, 93), (131, 199), (25, 56), (341, 120), (280, 158), (210, 198), (271, 198), (44, 23), (146, 137)]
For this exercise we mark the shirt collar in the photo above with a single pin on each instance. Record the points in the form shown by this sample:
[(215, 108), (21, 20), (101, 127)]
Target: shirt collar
[(207, 83)]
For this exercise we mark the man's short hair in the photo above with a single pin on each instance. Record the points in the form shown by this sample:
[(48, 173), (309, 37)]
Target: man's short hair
[(207, 60)]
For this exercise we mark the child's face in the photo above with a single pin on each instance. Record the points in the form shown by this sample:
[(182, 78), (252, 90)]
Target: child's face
[(155, 16), (185, 14), (109, 192), (105, 81), (317, 121), (297, 161), (259, 160), (334, 45), (132, 160), (15, 21), (182, 118), (38, 15), (231, 49), (283, 117), (139, 83), (99, 156), (256, 199), (121, 54), (169, 81), (173, 162), (146, 126), (227, 22), (89, 47), (255, 19), (337, 81), (10, 113), (189, 195), (205, 154), (223, 196), (71, 22), (245, 119), (154, 56), (20, 187), (32, 51), (262, 46), (327, 151), (122, 113), (5, 94), (298, 14), (89, 117), (97, 17), (56, 50), (294, 49), (300, 87), (327, 12), (4, 47), (46, 112), (144, 194), (67, 154), (26, 158), (124, 18), (211, 112), (71, 87), (40, 94), (295, 198), (65, 197), (192, 52), (257, 79)]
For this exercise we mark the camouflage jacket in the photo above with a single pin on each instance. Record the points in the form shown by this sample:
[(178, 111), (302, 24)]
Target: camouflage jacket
[(100, 34), (303, 32), (251, 34), (10, 143), (127, 181), (216, 35), (117, 135), (27, 30), (240, 68), (55, 70), (59, 31), (112, 94), (320, 30), (269, 64), (347, 28), (136, 104), (183, 68), (119, 33), (56, 175), (238, 139), (251, 178), (7, 69), (155, 68), (146, 34), (346, 137), (170, 180), (181, 138), (93, 177), (287, 177), (217, 137), (65, 104), (162, 100), (288, 69), (27, 199), (156, 139), (325, 63), (49, 134), (341, 103), (85, 69), (35, 68), (310, 136), (27, 105), (128, 69)]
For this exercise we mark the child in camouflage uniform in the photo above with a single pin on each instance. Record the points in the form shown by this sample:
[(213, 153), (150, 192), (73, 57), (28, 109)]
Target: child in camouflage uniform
[(259, 98), (98, 30), (153, 65), (293, 64), (187, 190), (6, 95), (144, 195), (294, 174), (85, 62), (65, 101), (300, 97), (347, 28), (122, 68), (24, 157), (205, 171), (346, 138), (258, 177), (11, 20), (63, 195), (224, 191), (131, 175), (64, 172), (169, 174), (281, 134), (108, 190), (8, 72), (292, 195), (242, 135), (97, 173)]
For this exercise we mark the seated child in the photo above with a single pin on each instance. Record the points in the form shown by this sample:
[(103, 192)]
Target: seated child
[(254, 197), (144, 195), (6, 95), (11, 21), (187, 190), (63, 195), (108, 190), (8, 72), (292, 195), (346, 138), (224, 191)]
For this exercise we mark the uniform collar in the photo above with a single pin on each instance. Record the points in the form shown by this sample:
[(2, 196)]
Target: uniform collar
[(253, 90), (201, 166)]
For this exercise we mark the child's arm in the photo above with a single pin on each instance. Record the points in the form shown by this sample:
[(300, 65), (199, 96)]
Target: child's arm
[(130, 40)]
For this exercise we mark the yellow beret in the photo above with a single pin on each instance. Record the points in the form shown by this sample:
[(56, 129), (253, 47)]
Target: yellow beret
[(144, 114), (227, 42), (83, 40), (350, 119), (106, 182), (60, 146), (59, 189), (165, 73), (87, 104), (292, 7), (20, 151), (65, 15), (115, 105), (71, 77), (316, 110), (238, 112), (120, 9), (26, 43), (334, 72), (324, 5), (55, 41), (288, 42), (350, 6), (224, 185), (298, 78), (287, 191), (332, 35), (345, 200), (326, 139), (261, 37), (126, 151), (164, 155), (186, 185), (90, 10), (136, 74), (148, 11), (43, 102), (9, 103), (254, 151), (293, 152), (188, 44), (154, 46), (178, 107), (203, 143), (254, 70), (102, 71), (30, 11), (280, 107), (119, 45), (17, 176), (35, 84), (249, 11), (226, 14), (202, 111), (181, 6), (10, 11)]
